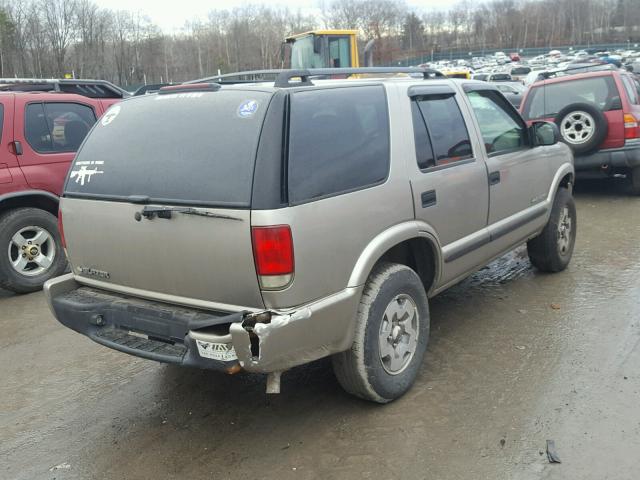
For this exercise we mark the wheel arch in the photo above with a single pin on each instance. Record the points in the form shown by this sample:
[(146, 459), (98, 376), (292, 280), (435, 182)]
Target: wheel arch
[(414, 244), (30, 198)]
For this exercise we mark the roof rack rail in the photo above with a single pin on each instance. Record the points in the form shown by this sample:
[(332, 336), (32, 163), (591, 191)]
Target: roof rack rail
[(282, 78), (596, 67), (87, 88)]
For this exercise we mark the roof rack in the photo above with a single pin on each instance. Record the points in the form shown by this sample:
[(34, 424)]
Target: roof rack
[(596, 67), (282, 78), (87, 88)]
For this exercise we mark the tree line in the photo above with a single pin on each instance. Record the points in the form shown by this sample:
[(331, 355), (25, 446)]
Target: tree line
[(50, 38)]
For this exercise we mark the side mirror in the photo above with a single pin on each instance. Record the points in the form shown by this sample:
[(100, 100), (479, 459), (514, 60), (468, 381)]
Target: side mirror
[(544, 133)]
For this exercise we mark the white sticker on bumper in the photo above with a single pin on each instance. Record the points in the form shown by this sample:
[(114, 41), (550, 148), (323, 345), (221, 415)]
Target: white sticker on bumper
[(216, 351)]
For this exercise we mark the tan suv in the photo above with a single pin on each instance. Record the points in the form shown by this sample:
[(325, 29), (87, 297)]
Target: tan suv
[(263, 226)]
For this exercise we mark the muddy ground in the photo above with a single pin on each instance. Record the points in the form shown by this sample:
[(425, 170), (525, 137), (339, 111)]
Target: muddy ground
[(516, 357)]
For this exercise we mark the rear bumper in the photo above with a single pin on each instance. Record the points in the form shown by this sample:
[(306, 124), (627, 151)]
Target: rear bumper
[(228, 341), (617, 158)]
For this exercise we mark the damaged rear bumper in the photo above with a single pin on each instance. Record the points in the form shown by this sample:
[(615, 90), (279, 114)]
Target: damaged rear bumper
[(269, 341)]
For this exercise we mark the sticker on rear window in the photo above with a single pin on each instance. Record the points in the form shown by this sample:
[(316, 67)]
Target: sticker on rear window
[(111, 115), (84, 173), (247, 108)]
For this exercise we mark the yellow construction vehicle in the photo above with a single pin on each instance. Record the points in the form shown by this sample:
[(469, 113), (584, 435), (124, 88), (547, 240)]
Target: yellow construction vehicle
[(324, 49)]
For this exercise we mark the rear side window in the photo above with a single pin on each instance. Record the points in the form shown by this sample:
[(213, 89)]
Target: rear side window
[(196, 148), (547, 100), (338, 141), (443, 126), (57, 127), (1, 119), (632, 89)]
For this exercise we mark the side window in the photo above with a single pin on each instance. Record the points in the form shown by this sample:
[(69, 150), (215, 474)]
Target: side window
[(1, 120), (57, 127), (338, 141), (446, 129), (502, 128), (631, 86), (424, 150)]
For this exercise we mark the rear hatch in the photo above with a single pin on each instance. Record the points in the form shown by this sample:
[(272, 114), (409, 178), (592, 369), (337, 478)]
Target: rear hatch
[(158, 197)]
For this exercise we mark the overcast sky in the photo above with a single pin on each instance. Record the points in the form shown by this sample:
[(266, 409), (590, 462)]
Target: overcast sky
[(170, 15)]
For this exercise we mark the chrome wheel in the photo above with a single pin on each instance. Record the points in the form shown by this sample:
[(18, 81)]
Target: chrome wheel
[(398, 336), (32, 251), (578, 127), (564, 231)]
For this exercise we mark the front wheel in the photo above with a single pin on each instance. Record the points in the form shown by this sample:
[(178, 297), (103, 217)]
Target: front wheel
[(635, 180), (552, 249), (30, 249), (392, 331)]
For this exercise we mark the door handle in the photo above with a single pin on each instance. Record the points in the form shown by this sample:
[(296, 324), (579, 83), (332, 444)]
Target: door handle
[(17, 147), (494, 178), (428, 198)]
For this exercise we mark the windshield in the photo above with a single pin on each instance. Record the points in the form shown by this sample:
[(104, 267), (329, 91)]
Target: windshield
[(183, 148)]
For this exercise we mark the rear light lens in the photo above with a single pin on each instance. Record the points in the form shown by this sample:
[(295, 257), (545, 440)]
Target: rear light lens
[(273, 254), (631, 128), (61, 230)]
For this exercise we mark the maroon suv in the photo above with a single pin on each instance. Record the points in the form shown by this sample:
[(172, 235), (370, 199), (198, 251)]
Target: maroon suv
[(597, 113), (42, 124)]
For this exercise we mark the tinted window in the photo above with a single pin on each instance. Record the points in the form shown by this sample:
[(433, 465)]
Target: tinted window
[(57, 127), (195, 148), (338, 141), (548, 100), (501, 127), (446, 127), (424, 151)]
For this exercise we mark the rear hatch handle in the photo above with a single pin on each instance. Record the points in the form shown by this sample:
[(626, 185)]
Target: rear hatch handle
[(167, 212)]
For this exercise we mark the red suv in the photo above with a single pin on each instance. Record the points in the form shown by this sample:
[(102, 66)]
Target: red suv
[(42, 124), (597, 113)]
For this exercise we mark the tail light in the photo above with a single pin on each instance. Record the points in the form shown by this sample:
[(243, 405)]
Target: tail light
[(61, 230), (273, 254), (631, 128)]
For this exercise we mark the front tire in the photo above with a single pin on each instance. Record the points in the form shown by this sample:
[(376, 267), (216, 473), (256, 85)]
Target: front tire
[(30, 249), (635, 180), (392, 332), (552, 249)]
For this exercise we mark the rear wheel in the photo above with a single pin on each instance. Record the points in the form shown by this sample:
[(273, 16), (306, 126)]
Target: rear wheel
[(392, 332), (551, 251), (30, 249)]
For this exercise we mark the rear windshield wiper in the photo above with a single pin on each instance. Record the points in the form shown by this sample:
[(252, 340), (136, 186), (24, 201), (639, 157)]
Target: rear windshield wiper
[(167, 212)]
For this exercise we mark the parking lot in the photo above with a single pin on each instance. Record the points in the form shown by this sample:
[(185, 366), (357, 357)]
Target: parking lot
[(516, 358)]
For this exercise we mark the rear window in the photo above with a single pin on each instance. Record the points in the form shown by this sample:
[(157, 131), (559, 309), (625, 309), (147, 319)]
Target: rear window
[(338, 141), (195, 148), (520, 71), (547, 100)]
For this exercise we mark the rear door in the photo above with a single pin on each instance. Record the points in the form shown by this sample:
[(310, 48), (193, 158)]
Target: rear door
[(185, 150), (50, 131), (448, 176)]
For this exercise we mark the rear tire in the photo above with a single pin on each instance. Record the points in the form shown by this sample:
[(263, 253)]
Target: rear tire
[(392, 331), (552, 249), (26, 275)]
